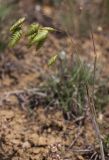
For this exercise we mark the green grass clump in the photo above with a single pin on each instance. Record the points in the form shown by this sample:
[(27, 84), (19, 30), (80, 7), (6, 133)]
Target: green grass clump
[(67, 88)]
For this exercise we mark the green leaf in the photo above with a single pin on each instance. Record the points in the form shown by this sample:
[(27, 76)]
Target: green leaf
[(17, 24)]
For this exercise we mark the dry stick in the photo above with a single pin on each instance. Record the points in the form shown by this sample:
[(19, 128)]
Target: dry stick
[(80, 131), (92, 105), (96, 127), (6, 95), (31, 90), (82, 150), (93, 155)]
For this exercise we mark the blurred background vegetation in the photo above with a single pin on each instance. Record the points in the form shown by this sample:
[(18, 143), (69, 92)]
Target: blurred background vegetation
[(75, 16)]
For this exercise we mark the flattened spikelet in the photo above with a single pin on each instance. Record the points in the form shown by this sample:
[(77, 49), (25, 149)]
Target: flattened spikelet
[(40, 43), (33, 28), (36, 34), (17, 24), (50, 29), (52, 60), (42, 35), (31, 37), (15, 38)]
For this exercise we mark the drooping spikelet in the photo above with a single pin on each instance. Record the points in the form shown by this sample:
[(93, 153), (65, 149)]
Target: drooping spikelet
[(52, 60), (15, 38), (17, 24), (41, 36), (50, 29), (36, 34), (33, 29)]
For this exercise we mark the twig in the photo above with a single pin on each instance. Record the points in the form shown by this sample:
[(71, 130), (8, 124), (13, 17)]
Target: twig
[(32, 90), (79, 119), (80, 131), (82, 150), (94, 154), (96, 157), (5, 95)]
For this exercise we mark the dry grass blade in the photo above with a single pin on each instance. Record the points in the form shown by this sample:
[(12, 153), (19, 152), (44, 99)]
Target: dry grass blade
[(96, 127), (92, 107)]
